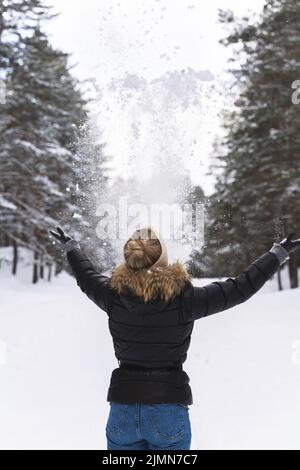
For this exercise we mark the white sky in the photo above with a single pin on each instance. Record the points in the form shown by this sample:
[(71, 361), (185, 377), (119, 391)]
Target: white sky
[(108, 38)]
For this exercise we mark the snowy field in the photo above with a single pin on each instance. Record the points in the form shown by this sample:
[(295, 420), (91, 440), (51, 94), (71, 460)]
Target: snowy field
[(56, 357)]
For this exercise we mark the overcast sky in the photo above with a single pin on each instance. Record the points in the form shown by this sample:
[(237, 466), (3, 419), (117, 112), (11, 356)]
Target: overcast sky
[(108, 38)]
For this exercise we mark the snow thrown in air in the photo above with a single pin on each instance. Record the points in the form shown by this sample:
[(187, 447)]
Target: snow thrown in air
[(155, 130)]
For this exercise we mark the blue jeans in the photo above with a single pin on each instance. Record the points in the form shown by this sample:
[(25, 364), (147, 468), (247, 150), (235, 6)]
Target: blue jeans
[(141, 426)]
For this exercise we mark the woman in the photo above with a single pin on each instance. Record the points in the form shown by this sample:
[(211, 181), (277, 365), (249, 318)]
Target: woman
[(151, 307)]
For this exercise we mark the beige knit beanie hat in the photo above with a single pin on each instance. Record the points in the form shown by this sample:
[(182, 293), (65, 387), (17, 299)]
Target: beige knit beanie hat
[(145, 249)]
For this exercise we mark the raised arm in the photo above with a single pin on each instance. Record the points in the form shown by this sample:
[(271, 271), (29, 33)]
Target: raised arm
[(94, 285), (198, 302)]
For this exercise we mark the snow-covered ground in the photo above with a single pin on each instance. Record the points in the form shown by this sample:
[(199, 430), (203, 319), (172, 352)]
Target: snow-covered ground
[(56, 357)]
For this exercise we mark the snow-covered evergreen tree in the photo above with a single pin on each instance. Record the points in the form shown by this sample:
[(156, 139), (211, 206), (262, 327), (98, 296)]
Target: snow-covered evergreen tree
[(17, 20), (88, 191), (257, 194), (43, 110)]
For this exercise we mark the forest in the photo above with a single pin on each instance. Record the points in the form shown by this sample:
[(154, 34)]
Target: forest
[(52, 159)]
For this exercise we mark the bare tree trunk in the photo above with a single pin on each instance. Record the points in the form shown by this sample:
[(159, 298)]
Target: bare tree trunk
[(49, 272), (15, 258), (58, 268), (6, 240), (279, 279), (35, 277), (293, 271), (42, 267)]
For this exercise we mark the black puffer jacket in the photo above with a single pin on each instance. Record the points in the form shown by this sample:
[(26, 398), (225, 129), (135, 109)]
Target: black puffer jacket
[(151, 339)]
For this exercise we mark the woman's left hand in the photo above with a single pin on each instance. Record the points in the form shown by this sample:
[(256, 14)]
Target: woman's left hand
[(60, 235), (289, 244)]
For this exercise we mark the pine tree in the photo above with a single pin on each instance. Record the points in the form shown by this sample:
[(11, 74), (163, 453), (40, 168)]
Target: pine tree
[(256, 200), (44, 107), (89, 190), (17, 19)]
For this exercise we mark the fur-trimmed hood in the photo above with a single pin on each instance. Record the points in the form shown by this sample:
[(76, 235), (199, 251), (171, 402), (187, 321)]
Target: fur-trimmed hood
[(164, 282)]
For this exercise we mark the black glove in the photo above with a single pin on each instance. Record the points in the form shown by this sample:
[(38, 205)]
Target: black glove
[(289, 244), (61, 236)]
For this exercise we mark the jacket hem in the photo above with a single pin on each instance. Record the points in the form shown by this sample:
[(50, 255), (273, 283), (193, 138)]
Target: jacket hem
[(149, 387)]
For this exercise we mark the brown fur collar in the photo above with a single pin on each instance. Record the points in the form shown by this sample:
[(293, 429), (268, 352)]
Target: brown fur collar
[(165, 282)]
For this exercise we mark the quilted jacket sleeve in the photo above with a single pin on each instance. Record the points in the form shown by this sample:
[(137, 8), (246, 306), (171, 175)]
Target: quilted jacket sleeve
[(94, 285), (198, 302)]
